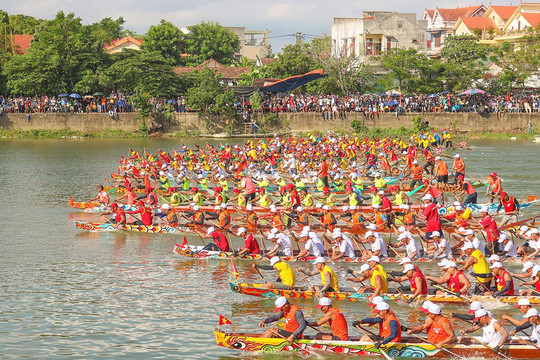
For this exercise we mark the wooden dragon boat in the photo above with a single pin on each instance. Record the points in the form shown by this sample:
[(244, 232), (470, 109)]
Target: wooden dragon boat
[(105, 227), (410, 347), (260, 291), (194, 251)]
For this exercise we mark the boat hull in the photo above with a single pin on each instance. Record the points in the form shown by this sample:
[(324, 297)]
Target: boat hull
[(107, 227)]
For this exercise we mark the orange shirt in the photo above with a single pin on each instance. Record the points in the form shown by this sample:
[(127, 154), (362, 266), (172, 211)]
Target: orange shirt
[(339, 325), (441, 168), (436, 332), (385, 329)]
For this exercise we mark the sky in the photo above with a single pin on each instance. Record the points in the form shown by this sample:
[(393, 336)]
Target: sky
[(313, 17)]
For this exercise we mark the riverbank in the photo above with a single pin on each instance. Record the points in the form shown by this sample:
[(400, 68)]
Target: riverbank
[(132, 125)]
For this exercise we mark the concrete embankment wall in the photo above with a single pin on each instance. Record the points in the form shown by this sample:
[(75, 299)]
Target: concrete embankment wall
[(302, 122)]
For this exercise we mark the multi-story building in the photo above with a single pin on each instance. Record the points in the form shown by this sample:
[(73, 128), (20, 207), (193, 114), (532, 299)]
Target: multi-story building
[(376, 32), (440, 23), (253, 43)]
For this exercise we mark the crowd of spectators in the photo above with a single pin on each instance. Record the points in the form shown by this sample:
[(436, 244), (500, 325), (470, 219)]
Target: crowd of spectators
[(330, 106), (333, 106)]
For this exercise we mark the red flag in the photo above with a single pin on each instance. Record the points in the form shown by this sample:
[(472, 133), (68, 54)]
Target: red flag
[(184, 243), (224, 321), (234, 273)]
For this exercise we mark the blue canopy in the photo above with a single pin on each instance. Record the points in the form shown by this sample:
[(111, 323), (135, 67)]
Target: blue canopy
[(433, 95), (392, 103), (63, 95), (75, 96), (292, 82)]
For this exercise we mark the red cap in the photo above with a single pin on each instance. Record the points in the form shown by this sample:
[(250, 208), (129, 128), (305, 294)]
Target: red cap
[(493, 174), (348, 183), (460, 177), (290, 186), (218, 189), (261, 190), (148, 188), (325, 189), (194, 188), (140, 203), (425, 181), (114, 205), (172, 188), (472, 311), (236, 191), (503, 194), (373, 188)]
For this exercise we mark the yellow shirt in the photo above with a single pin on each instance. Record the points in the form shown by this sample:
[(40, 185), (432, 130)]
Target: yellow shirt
[(286, 273), (384, 282), (333, 278), (481, 266), (380, 183)]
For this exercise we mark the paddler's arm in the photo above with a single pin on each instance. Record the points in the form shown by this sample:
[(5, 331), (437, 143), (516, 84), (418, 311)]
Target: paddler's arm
[(302, 324), (263, 267), (326, 318), (308, 273), (521, 327), (464, 317), (420, 328), (327, 280), (468, 264), (378, 286), (466, 284), (504, 335), (272, 318)]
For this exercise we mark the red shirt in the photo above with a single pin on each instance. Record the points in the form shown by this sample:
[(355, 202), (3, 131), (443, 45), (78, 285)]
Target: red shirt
[(490, 226), (252, 245), (432, 216), (295, 198), (221, 241), (324, 169), (386, 205)]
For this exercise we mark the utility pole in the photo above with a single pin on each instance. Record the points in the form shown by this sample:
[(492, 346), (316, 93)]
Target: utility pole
[(298, 38)]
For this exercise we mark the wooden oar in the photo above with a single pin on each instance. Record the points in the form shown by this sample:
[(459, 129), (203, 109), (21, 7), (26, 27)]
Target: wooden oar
[(443, 348), (518, 222), (382, 352), (525, 286), (259, 271), (306, 280), (486, 346), (453, 293)]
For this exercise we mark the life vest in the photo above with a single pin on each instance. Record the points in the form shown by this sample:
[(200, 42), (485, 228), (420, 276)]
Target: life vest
[(333, 278), (119, 215), (380, 219), (454, 284), (470, 189), (327, 220), (412, 280), (398, 199), (509, 206), (198, 217), (303, 218), (175, 199), (501, 283), (357, 218), (481, 266), (385, 331), (291, 325), (436, 332), (408, 219), (353, 199), (330, 200), (308, 200), (241, 199), (172, 219), (264, 200), (198, 199), (277, 222), (459, 165), (338, 325), (224, 220), (252, 220), (417, 172)]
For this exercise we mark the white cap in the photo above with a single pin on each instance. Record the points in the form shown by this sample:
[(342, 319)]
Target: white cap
[(523, 228), (274, 260), (196, 207), (405, 260), (318, 206), (461, 229), (319, 260), (352, 207), (299, 209), (376, 300), (223, 206), (458, 208), (527, 266), (326, 207), (374, 258), (408, 267), (324, 301), (162, 173), (376, 206), (434, 309), (426, 305), (304, 233), (484, 209), (210, 230), (427, 197), (435, 233), (531, 312), (401, 229), (450, 264), (280, 301), (273, 209), (345, 208), (217, 207), (381, 192), (249, 207), (467, 245), (364, 267), (415, 162), (523, 302), (437, 158), (406, 206), (496, 265), (369, 233), (494, 257), (306, 228), (442, 263), (371, 227), (479, 313), (240, 231), (457, 203), (535, 270), (468, 232), (165, 207), (382, 306), (476, 305), (502, 238), (457, 156)]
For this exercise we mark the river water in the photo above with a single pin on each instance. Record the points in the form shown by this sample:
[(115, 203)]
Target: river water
[(68, 293)]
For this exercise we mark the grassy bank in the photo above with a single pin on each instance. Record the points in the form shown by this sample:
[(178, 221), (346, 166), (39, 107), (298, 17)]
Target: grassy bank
[(496, 136), (76, 134)]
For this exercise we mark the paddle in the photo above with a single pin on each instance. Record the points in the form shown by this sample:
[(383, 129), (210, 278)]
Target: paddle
[(453, 293), (486, 346), (429, 342), (382, 352), (259, 271), (306, 280), (518, 223), (525, 286)]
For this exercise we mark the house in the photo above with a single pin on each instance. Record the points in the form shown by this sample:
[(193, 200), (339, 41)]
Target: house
[(253, 43), (230, 74), (20, 43), (499, 14), (376, 32), (526, 15), (127, 42), (483, 27), (440, 23)]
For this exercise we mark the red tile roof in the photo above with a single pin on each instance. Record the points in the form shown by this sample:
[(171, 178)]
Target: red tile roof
[(267, 60), (478, 22), (228, 72), (21, 43), (430, 13), (454, 14), (532, 18), (505, 12), (127, 39)]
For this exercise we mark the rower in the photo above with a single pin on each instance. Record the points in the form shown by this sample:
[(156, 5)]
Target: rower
[(389, 326), (495, 186), (509, 249), (263, 199), (480, 267), (163, 181), (526, 271), (531, 248), (434, 191), (441, 170), (455, 279), (442, 248), (174, 198), (473, 239), (286, 279), (431, 214), (511, 209), (352, 199), (524, 305), (220, 241), (282, 247), (336, 319), (129, 195), (146, 214), (531, 320), (251, 245), (102, 197), (403, 262), (119, 215), (307, 198), (295, 323), (503, 281), (378, 247), (303, 217), (198, 217), (328, 220), (405, 239), (409, 218), (469, 316), (439, 330), (418, 284), (416, 174), (224, 218), (535, 276), (197, 197), (172, 219), (494, 334), (328, 277), (491, 229), (277, 221), (376, 275), (313, 246), (458, 167), (345, 249)]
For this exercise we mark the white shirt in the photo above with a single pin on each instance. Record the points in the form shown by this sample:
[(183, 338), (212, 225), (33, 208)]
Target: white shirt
[(510, 249), (379, 244), (535, 332), (314, 245), (478, 244), (411, 249), (346, 246), (284, 244), (491, 337), (447, 252)]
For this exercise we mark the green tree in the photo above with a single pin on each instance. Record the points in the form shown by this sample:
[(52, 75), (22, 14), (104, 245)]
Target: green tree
[(209, 96), (402, 66), (166, 39), (209, 40)]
